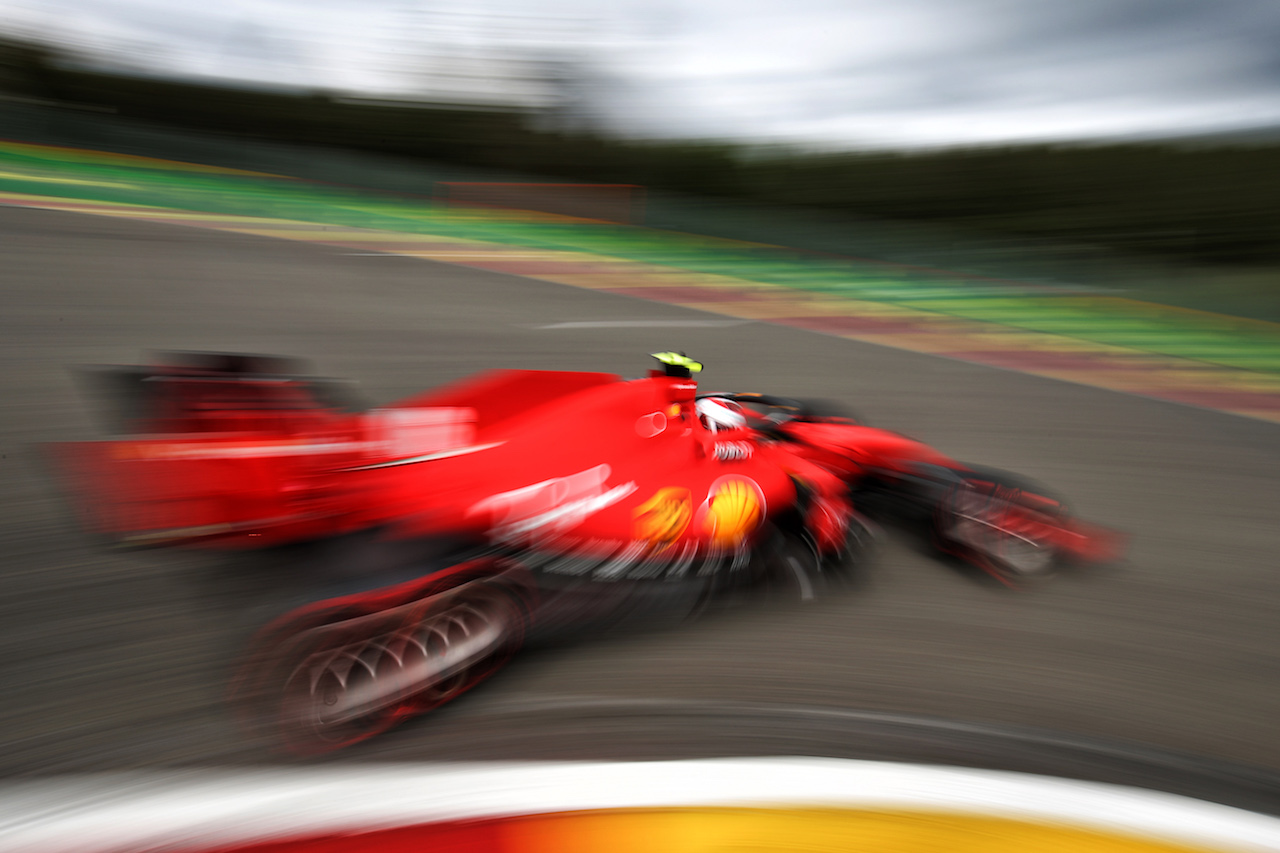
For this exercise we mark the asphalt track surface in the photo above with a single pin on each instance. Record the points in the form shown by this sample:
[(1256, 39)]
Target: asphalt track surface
[(118, 660)]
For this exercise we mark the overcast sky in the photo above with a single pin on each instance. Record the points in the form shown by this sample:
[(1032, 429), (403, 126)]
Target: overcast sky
[(834, 72)]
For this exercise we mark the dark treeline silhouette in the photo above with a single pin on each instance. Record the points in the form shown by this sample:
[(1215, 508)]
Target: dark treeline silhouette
[(1192, 202)]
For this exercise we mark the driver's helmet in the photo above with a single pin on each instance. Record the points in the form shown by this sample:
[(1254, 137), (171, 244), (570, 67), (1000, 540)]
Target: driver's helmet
[(718, 414)]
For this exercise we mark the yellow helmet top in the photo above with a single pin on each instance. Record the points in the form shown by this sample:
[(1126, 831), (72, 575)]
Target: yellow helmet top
[(678, 359)]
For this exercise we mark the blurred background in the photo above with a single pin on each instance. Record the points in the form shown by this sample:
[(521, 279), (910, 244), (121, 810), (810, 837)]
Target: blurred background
[(998, 136), (1082, 170)]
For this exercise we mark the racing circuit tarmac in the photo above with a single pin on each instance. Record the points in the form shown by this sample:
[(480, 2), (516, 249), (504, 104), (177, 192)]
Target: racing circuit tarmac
[(114, 660)]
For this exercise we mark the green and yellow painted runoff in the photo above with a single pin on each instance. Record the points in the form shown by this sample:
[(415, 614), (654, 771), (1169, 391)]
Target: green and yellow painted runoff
[(1182, 355)]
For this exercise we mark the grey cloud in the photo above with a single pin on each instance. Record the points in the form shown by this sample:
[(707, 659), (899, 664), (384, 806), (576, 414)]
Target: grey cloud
[(1080, 52), (734, 67)]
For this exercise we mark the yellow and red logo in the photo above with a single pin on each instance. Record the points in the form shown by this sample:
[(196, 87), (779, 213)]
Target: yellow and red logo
[(664, 517), (733, 509)]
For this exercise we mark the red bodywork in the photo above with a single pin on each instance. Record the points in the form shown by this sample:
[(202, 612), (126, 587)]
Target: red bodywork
[(508, 456), (559, 460)]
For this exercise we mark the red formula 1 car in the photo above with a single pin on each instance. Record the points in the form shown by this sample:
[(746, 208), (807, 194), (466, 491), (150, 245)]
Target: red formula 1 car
[(550, 499)]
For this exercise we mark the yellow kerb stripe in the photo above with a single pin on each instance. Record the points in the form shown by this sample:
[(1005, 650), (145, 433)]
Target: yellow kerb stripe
[(712, 830)]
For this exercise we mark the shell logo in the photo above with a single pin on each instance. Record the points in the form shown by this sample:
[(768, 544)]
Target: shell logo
[(664, 517), (734, 508)]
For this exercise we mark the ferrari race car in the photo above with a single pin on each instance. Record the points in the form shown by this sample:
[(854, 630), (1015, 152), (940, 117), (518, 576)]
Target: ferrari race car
[(547, 499)]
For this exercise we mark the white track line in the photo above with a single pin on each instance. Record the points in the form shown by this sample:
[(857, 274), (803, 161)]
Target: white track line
[(644, 324)]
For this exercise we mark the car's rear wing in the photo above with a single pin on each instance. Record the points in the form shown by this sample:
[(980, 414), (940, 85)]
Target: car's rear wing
[(240, 452), (212, 392)]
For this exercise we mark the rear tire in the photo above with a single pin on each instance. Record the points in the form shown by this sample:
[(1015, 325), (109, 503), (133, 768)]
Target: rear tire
[(338, 672)]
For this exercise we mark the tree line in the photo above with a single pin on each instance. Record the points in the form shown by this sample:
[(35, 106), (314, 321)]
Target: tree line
[(1205, 203)]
